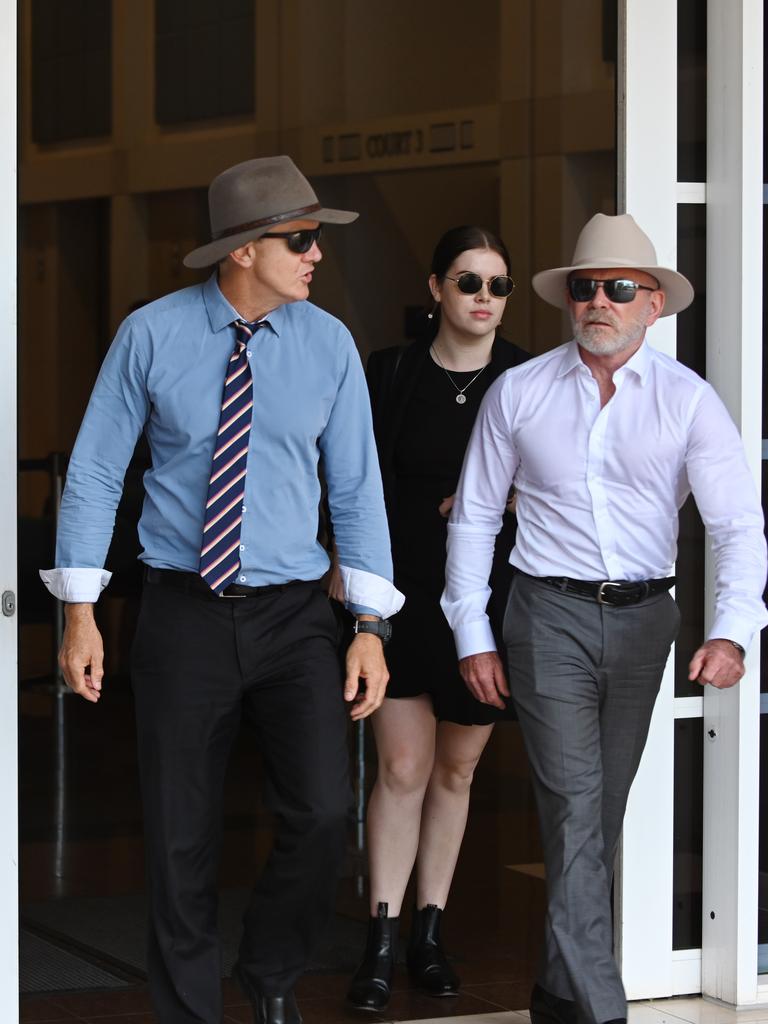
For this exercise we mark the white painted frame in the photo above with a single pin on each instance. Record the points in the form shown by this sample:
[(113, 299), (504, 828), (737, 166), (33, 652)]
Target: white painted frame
[(647, 188), (9, 909), (726, 967), (734, 366)]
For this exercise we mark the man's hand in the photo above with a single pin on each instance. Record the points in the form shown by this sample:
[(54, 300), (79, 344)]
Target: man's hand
[(718, 663), (484, 675), (365, 660), (81, 657)]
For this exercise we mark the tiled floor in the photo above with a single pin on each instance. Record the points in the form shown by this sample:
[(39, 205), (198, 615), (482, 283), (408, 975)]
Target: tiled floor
[(133, 1008), (693, 1011), (660, 1011), (321, 999)]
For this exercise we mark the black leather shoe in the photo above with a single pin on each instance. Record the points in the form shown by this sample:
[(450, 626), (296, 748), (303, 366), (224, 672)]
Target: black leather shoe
[(549, 1009), (268, 1009), (372, 982), (428, 966)]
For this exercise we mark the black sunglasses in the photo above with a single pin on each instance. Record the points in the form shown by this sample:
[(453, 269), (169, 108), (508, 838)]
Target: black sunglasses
[(297, 241), (617, 289), (470, 284)]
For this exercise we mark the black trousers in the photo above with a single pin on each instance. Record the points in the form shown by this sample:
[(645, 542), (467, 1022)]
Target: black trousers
[(198, 665)]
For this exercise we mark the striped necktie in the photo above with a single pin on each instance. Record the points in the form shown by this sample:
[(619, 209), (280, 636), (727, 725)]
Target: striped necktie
[(220, 554)]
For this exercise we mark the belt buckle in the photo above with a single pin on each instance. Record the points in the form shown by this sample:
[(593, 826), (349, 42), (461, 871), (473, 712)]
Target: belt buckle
[(600, 590)]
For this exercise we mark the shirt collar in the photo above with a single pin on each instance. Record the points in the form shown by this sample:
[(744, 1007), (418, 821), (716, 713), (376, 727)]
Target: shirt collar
[(639, 363), (571, 359), (221, 312)]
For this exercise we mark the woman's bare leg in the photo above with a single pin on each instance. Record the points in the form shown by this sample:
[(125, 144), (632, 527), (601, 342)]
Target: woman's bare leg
[(405, 729), (444, 812)]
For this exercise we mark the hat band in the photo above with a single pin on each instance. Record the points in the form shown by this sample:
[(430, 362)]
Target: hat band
[(265, 221)]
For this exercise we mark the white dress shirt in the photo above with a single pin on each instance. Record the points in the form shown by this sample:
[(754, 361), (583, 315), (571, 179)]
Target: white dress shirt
[(599, 489)]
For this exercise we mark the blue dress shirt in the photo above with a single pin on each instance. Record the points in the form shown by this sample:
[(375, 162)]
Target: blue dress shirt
[(165, 371)]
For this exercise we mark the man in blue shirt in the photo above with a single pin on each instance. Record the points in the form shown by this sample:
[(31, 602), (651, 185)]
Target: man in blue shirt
[(241, 386)]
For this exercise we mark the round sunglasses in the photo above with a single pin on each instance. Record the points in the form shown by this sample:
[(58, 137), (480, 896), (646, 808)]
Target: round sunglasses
[(616, 289), (470, 284), (297, 241)]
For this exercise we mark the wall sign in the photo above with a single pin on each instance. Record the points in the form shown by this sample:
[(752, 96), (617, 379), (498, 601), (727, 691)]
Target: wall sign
[(437, 137)]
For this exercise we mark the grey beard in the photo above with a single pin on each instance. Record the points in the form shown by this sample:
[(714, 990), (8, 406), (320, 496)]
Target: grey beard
[(623, 339)]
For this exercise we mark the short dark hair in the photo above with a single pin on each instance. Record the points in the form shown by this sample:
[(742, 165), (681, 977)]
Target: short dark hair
[(455, 241)]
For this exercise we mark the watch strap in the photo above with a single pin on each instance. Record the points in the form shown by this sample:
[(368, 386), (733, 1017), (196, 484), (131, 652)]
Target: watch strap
[(381, 628)]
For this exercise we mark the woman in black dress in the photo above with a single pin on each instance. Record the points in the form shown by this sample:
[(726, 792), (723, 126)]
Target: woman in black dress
[(430, 731)]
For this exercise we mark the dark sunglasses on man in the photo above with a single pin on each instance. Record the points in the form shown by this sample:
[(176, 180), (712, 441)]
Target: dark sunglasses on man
[(616, 289), (297, 241), (470, 284)]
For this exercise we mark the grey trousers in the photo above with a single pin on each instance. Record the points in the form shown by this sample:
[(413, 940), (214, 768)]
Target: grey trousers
[(584, 678)]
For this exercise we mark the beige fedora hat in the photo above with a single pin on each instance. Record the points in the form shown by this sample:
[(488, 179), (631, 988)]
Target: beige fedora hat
[(248, 199), (607, 242)]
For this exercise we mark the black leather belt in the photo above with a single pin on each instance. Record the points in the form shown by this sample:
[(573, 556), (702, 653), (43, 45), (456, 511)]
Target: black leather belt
[(191, 583), (614, 592)]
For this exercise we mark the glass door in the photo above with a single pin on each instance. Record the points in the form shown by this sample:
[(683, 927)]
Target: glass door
[(691, 93)]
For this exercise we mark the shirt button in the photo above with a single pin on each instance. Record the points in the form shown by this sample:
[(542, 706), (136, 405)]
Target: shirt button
[(249, 353), (242, 547), (242, 579), (243, 509)]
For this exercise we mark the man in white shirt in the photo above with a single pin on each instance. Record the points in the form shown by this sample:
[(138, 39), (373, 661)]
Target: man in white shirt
[(603, 439)]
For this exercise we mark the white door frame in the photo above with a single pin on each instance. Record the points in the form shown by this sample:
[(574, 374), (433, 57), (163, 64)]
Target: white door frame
[(9, 801), (726, 968), (647, 188), (734, 365)]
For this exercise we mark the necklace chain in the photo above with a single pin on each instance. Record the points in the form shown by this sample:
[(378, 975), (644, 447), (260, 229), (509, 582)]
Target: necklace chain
[(460, 396)]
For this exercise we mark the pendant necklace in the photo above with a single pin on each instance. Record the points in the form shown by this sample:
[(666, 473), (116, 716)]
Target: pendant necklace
[(460, 396)]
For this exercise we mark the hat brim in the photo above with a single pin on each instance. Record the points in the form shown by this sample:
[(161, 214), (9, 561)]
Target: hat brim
[(207, 255), (550, 285)]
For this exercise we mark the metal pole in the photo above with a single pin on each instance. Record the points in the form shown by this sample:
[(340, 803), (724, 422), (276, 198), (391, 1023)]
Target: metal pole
[(60, 690), (360, 807), (57, 486)]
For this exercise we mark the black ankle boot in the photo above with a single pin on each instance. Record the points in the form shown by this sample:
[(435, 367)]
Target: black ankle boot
[(372, 982), (428, 966)]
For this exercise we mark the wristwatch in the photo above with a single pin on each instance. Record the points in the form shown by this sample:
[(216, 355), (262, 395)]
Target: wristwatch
[(382, 628)]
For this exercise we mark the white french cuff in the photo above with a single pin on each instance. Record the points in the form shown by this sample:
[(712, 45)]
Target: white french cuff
[(76, 586), (474, 637), (370, 591)]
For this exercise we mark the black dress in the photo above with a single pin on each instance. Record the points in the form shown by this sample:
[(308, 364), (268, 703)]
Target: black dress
[(423, 455)]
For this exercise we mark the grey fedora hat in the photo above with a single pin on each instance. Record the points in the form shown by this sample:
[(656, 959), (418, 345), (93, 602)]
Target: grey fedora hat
[(248, 199), (607, 242)]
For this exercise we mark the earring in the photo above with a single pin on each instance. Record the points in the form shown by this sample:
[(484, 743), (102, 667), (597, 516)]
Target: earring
[(431, 313)]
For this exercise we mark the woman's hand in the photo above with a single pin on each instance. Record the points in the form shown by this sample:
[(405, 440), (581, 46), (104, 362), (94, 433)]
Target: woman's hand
[(333, 581), (445, 506)]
